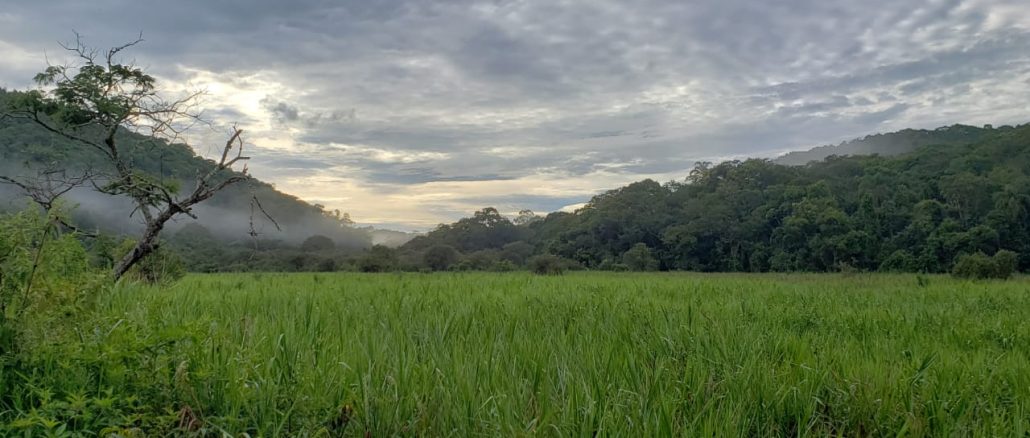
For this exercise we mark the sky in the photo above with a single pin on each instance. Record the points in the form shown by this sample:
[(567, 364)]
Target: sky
[(410, 113)]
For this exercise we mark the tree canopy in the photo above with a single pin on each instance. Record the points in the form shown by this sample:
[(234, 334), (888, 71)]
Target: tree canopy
[(916, 211)]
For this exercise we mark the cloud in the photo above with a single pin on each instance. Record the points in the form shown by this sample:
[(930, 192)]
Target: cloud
[(410, 112), (282, 112)]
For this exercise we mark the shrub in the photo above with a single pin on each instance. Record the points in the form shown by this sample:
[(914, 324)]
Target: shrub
[(46, 280), (980, 266), (609, 265), (378, 259), (639, 258), (1005, 263), (546, 264), (517, 252), (976, 265), (318, 242), (327, 264), (440, 257), (900, 261), (503, 266), (483, 260)]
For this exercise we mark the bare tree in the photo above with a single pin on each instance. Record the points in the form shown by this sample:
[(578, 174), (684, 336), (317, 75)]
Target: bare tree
[(98, 101), (47, 187)]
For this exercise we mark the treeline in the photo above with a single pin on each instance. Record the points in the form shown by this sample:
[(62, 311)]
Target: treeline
[(917, 212), (955, 191)]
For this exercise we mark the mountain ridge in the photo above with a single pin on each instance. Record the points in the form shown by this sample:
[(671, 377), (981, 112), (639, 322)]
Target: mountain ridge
[(892, 143)]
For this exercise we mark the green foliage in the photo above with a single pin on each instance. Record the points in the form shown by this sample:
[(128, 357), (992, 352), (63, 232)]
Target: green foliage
[(954, 191), (318, 242), (979, 266), (486, 229), (45, 278), (584, 354), (639, 258), (1005, 263), (895, 143), (547, 264), (900, 261), (440, 257), (942, 193), (378, 259), (610, 265), (517, 252), (161, 266)]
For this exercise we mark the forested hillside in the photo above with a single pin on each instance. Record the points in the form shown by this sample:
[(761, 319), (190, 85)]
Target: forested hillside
[(231, 219), (924, 199), (894, 143), (917, 211)]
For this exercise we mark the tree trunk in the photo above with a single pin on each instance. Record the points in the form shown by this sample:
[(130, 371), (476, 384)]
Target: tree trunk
[(146, 245)]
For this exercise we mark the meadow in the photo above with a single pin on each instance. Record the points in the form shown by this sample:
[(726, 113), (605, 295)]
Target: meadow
[(584, 354)]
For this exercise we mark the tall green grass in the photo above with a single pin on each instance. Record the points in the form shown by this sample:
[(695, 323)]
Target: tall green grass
[(577, 355)]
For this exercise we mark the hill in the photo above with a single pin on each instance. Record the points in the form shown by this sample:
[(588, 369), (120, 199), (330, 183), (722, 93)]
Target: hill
[(912, 200), (894, 143), (227, 217), (914, 211)]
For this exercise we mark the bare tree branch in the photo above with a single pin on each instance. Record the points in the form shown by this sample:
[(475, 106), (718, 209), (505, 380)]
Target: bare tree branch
[(94, 104), (47, 187)]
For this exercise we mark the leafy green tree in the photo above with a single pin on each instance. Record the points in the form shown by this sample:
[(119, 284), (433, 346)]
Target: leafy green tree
[(547, 264), (900, 261), (916, 211), (318, 243), (1005, 263), (486, 229), (526, 218), (639, 258), (378, 259), (517, 252), (440, 257)]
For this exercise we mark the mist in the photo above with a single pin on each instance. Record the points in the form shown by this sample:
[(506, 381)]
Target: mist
[(95, 211)]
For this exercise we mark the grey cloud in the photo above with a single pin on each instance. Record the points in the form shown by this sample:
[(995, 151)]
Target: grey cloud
[(474, 90), (282, 112)]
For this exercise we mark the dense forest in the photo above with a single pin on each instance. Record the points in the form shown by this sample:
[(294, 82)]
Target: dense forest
[(913, 200), (960, 190)]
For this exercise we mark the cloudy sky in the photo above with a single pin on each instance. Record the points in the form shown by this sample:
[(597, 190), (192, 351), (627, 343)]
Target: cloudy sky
[(408, 113)]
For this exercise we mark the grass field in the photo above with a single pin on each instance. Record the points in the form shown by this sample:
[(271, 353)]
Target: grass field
[(582, 354)]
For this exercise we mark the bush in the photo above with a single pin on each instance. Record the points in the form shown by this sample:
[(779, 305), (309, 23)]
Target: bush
[(46, 280), (503, 266), (440, 257), (980, 266), (547, 264), (976, 265), (1005, 263), (327, 264), (900, 261), (639, 258), (609, 265), (517, 252), (378, 259), (318, 242)]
